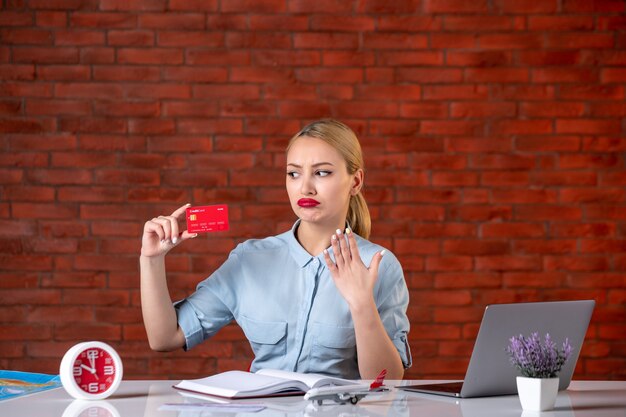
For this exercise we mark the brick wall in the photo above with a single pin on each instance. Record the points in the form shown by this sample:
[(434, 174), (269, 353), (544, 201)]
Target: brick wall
[(494, 133)]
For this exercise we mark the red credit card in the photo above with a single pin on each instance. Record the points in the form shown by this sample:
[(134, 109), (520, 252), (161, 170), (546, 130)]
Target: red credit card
[(207, 218)]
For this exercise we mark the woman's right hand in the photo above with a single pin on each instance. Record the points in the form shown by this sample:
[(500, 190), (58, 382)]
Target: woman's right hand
[(162, 233)]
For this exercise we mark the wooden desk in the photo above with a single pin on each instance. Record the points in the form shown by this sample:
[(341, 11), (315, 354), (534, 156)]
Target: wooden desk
[(143, 399)]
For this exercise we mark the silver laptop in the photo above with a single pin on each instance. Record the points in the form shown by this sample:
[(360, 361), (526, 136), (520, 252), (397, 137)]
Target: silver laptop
[(489, 371)]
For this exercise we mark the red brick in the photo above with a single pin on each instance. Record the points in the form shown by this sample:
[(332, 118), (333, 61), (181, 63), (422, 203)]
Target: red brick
[(105, 20), (527, 7), (480, 213), (10, 107), (455, 92), (93, 125), (589, 126), (429, 75), (413, 195), (455, 6), (125, 73), (322, 6), (504, 178), (482, 110), (593, 6), (389, 128), (408, 23), (16, 18), (560, 23), (341, 24), (425, 212), (158, 91), (479, 23), (79, 37), (46, 55), (64, 72), (29, 193), (134, 5), (104, 332), (247, 6), (238, 144), (461, 280), (211, 57), (58, 107), (293, 23), (534, 279), (18, 332), (440, 297), (524, 196), (314, 40), (510, 41), (590, 40), (522, 127), (576, 263), (449, 263), (512, 230), (51, 18), (550, 58), (545, 246), (130, 37), (611, 22), (152, 56), (592, 92), (22, 36), (210, 92), (187, 38), (97, 55), (414, 247)]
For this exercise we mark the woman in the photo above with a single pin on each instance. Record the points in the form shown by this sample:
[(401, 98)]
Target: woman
[(312, 299)]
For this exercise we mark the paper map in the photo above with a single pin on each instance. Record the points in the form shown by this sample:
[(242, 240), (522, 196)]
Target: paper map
[(15, 383)]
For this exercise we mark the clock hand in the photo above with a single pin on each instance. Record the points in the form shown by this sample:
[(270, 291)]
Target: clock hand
[(92, 370)]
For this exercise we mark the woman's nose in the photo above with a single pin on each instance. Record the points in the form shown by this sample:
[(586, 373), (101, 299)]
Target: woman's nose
[(308, 187)]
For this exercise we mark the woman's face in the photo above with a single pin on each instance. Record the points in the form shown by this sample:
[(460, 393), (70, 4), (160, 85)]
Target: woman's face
[(318, 182)]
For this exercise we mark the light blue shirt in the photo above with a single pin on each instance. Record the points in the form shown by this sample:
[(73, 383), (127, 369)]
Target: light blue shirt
[(287, 304)]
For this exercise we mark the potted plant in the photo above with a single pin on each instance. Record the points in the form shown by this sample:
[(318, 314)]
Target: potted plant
[(539, 364)]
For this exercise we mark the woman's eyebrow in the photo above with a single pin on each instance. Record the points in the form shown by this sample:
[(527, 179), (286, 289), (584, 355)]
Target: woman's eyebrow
[(314, 165)]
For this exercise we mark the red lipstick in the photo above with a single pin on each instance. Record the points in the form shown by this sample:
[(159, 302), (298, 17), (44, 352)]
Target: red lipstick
[(308, 202)]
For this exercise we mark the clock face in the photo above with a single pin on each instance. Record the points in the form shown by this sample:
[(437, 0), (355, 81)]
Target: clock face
[(91, 370), (94, 370)]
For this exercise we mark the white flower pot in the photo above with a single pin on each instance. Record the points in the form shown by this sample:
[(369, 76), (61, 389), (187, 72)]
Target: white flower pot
[(537, 394)]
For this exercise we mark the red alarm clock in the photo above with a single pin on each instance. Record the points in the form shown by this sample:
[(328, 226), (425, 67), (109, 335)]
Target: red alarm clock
[(91, 371)]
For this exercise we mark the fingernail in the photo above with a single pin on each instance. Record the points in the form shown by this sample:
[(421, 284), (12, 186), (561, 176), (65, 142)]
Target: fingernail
[(338, 232), (333, 237), (174, 240), (325, 252), (188, 204), (347, 230), (194, 235), (162, 241), (382, 252)]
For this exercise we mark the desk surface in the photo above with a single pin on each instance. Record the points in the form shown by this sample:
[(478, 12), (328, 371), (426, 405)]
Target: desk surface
[(143, 399)]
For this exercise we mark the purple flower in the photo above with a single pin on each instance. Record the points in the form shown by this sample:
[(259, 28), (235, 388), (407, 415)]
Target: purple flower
[(535, 359)]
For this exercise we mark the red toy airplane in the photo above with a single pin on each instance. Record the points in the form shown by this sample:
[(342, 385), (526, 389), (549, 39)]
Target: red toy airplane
[(347, 393)]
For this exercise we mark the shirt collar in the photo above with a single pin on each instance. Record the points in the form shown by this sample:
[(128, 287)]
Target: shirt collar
[(301, 256)]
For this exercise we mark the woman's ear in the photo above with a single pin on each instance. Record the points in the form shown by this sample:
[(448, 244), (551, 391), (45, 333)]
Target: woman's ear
[(357, 182)]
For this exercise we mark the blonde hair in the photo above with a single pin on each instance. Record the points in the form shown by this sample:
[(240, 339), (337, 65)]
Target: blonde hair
[(344, 140)]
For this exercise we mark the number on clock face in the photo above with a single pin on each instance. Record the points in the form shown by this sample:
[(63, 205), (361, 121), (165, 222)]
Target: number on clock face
[(94, 370)]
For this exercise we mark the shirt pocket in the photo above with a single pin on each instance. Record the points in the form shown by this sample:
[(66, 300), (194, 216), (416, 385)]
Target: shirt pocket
[(267, 338), (335, 348)]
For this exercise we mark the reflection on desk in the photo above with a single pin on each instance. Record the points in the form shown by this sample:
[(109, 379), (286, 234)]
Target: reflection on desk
[(143, 399)]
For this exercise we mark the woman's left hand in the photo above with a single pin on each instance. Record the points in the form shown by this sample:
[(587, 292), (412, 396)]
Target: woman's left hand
[(353, 279)]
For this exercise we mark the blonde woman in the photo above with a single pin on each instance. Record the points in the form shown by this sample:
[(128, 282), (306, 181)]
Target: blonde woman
[(317, 298)]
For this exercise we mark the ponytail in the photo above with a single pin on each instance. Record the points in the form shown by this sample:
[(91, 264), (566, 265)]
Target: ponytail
[(359, 216)]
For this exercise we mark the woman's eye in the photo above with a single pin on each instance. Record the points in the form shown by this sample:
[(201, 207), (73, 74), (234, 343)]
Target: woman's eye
[(293, 174), (323, 173)]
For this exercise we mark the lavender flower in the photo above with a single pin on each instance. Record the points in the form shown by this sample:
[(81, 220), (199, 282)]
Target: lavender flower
[(536, 360)]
